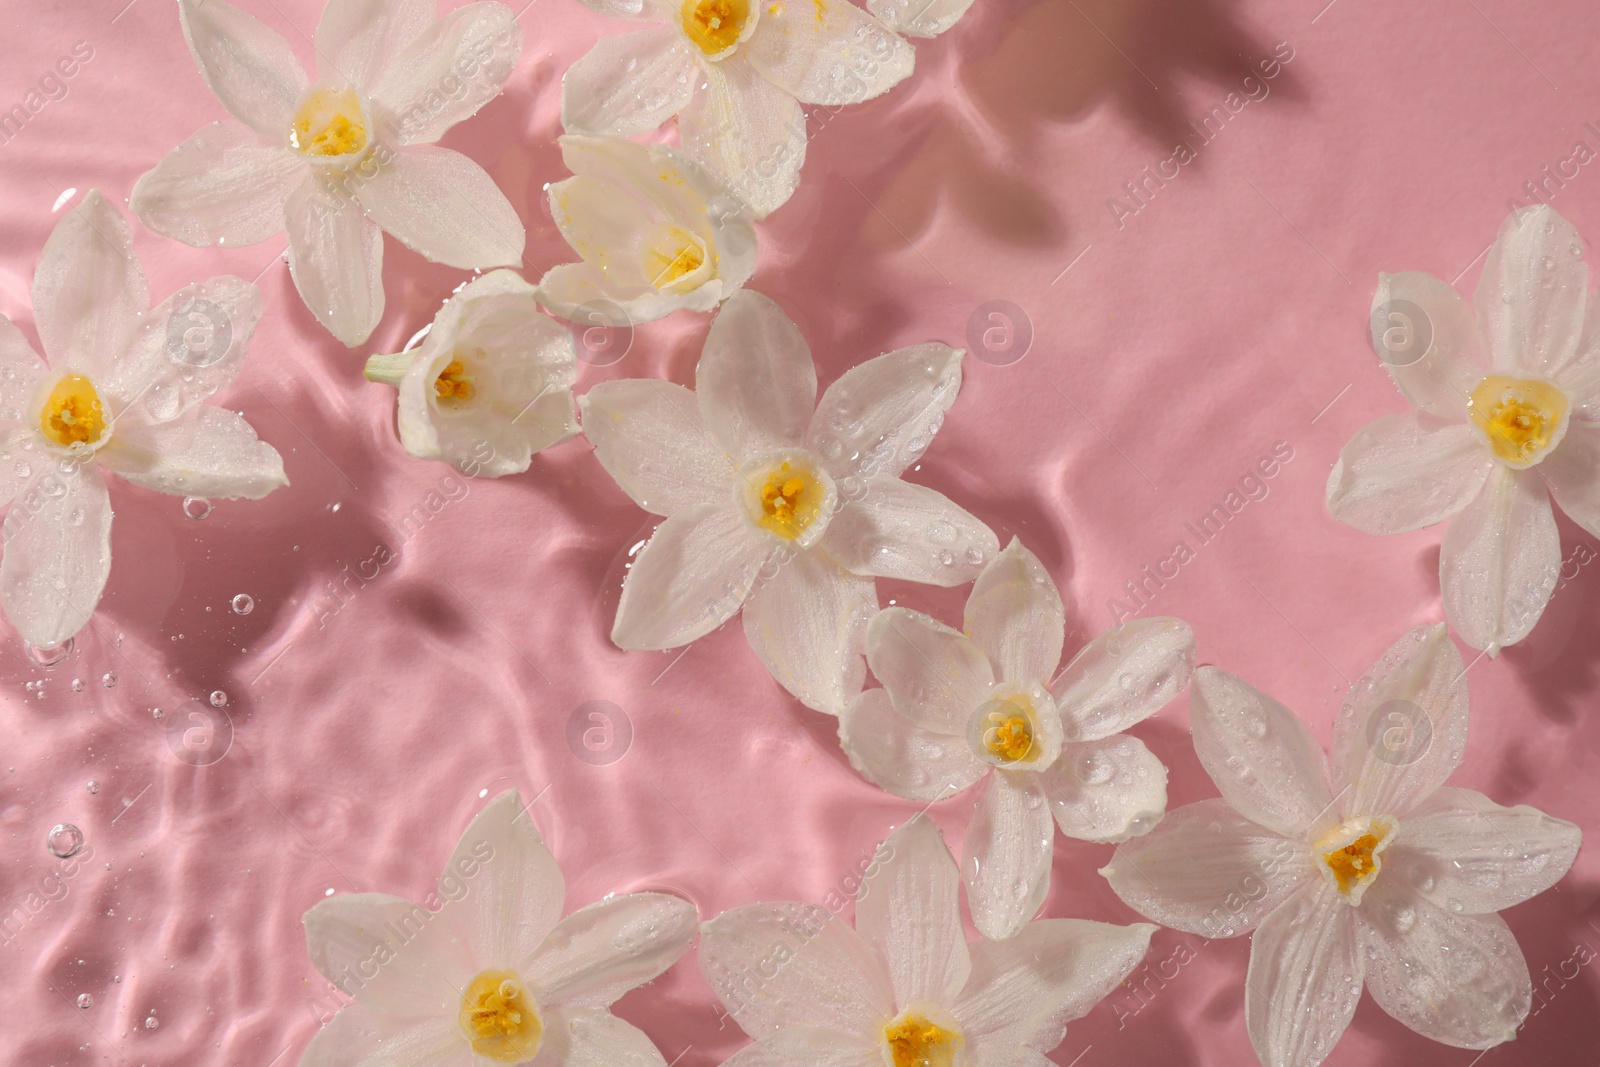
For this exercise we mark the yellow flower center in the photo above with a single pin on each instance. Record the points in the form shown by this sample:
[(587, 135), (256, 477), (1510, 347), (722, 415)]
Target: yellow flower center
[(329, 124), (674, 253), (1353, 854), (916, 1041), (1007, 733), (1521, 417), (791, 499), (500, 1019), (72, 414), (714, 25), (453, 383)]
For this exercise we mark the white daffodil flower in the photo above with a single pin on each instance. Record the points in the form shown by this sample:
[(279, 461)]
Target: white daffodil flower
[(491, 383), (919, 18), (956, 709), (1375, 874), (495, 975), (789, 513), (1507, 416), (339, 161), (903, 988), (655, 231), (735, 73), (120, 390)]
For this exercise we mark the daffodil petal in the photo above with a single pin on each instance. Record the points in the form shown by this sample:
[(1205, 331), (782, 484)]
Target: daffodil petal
[(1304, 979), (909, 910), (1005, 859), (1207, 870), (1261, 755), (755, 383), (809, 1046), (89, 289), (1531, 294), (629, 83), (829, 976), (827, 51), (1025, 990), (919, 18), (648, 435), (896, 529), (881, 415), (358, 1037), (1402, 729), (1124, 676), (1412, 310), (1465, 853), (251, 69), (747, 132), (388, 954), (937, 677), (690, 577), (57, 553), (1458, 979), (445, 206), (1106, 790), (1405, 472), (593, 1037), (208, 451), (458, 64), (20, 371), (223, 186), (357, 39), (1572, 472), (598, 953), (808, 623), (1500, 560), (894, 753), (336, 259), (1016, 617), (502, 889)]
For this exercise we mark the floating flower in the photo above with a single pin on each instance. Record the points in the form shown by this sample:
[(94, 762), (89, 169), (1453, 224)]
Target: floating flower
[(121, 391), (957, 709), (903, 988), (340, 161), (1375, 874), (919, 18), (735, 73), (1505, 419), (490, 385), (492, 976), (769, 506), (655, 231)]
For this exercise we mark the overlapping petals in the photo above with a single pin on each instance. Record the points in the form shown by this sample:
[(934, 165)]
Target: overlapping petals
[(1368, 872)]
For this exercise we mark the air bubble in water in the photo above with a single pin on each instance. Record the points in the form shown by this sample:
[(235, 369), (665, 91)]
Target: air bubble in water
[(243, 604), (156, 713), (218, 698), (151, 1022), (65, 841), (93, 786), (108, 680), (196, 507), (85, 1000), (77, 685)]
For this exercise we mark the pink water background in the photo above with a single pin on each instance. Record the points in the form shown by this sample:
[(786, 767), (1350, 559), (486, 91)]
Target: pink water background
[(1214, 319)]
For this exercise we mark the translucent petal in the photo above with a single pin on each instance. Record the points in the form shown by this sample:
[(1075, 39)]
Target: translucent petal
[(88, 288), (690, 577), (358, 1037), (57, 553), (445, 206), (894, 529), (356, 39), (808, 624), (755, 383), (250, 68), (222, 186), (919, 18), (827, 52), (502, 889), (1413, 311), (1500, 560), (600, 952), (809, 1046), (1106, 790), (186, 348), (1305, 978), (1572, 472), (207, 451), (1016, 617), (1005, 860), (336, 259), (881, 415), (457, 65), (936, 676), (747, 132), (387, 953), (648, 435), (629, 83), (909, 910), (1531, 294), (896, 754), (1123, 677), (1405, 472)]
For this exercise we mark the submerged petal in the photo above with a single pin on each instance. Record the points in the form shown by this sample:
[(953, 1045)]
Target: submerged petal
[(755, 383)]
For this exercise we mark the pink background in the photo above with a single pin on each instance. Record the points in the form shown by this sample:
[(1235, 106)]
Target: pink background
[(1226, 315)]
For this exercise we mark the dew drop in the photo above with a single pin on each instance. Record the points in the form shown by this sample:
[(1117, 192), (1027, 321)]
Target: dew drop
[(93, 786), (65, 841), (151, 1022), (156, 713), (85, 1000)]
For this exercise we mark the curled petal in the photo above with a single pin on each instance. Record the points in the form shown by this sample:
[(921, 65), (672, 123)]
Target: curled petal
[(88, 289), (629, 83), (1123, 677), (1459, 979), (936, 677), (895, 529), (1107, 790), (1016, 616), (1405, 472), (457, 65), (598, 953), (881, 415), (909, 910), (446, 207), (648, 435), (896, 754), (1531, 294), (1260, 754), (808, 622), (747, 132), (830, 52), (208, 451), (1413, 311), (1005, 860), (223, 186), (1305, 978), (250, 68), (755, 383), (1208, 870), (690, 577), (1500, 560), (421, 961), (780, 965), (516, 890), (336, 260), (1403, 727), (57, 553)]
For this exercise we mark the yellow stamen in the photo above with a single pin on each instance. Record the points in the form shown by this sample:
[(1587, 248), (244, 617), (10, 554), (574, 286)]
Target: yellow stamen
[(714, 25), (329, 124), (72, 413), (453, 383), (1008, 735), (916, 1041), (1521, 417), (500, 1019), (790, 500), (674, 253), (1353, 854)]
